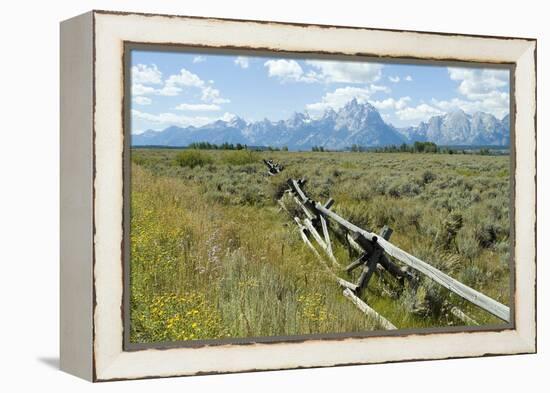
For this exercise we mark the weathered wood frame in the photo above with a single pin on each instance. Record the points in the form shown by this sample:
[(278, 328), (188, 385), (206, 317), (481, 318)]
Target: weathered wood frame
[(93, 192)]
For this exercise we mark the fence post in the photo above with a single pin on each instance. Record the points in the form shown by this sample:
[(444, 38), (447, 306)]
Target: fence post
[(370, 266)]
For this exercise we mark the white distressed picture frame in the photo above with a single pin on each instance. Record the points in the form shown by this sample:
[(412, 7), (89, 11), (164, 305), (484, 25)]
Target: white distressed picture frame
[(92, 147)]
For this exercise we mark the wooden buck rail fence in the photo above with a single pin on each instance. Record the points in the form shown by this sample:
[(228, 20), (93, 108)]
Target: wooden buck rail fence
[(273, 167), (375, 250)]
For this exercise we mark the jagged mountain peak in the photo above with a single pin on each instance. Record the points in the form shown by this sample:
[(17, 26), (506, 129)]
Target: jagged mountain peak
[(329, 114), (357, 116), (460, 128), (456, 111), (354, 123), (354, 106), (237, 122), (297, 119)]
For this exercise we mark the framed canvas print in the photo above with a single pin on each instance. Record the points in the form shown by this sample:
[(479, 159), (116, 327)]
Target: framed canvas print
[(245, 195)]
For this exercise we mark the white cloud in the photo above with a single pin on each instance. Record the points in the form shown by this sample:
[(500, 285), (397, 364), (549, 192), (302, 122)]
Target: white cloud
[(420, 112), (144, 74), (477, 83), (394, 79), (162, 120), (199, 59), (165, 119), (139, 90), (210, 94), (345, 71), (391, 103), (169, 90), (324, 71), (409, 78), (184, 78), (175, 84), (198, 107), (376, 88), (287, 71), (483, 90), (497, 103), (341, 96), (242, 62), (172, 85), (140, 100), (228, 117)]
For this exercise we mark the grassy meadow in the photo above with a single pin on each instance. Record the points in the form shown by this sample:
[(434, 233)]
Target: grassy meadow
[(214, 256)]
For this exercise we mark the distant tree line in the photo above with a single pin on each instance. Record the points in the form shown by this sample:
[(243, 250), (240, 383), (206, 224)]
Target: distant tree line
[(231, 146), (213, 146), (420, 147), (416, 147)]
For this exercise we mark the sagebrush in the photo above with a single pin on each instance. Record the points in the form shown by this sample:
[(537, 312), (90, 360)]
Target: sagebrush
[(213, 256)]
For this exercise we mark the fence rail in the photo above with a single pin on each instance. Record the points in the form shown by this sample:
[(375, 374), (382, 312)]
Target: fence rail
[(376, 250), (273, 168)]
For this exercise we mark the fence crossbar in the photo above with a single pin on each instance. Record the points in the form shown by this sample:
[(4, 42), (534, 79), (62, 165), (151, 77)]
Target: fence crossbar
[(479, 299)]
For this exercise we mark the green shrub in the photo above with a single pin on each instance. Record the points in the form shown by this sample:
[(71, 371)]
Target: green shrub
[(220, 223), (427, 300), (452, 224), (428, 177), (409, 189), (277, 187), (357, 213), (486, 234), (394, 191), (193, 158), (241, 157), (503, 250), (139, 160), (467, 244), (472, 275), (413, 217)]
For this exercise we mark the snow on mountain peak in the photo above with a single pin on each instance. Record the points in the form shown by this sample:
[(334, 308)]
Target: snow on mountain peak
[(354, 123)]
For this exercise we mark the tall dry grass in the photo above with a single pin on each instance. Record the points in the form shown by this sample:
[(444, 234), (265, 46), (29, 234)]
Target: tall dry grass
[(212, 256)]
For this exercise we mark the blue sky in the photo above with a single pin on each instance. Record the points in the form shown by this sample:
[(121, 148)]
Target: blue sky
[(183, 89)]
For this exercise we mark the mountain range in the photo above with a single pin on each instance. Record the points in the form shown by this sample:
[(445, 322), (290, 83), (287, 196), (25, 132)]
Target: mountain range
[(355, 123)]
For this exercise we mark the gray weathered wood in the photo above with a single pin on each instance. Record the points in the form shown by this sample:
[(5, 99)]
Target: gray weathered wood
[(369, 267), (386, 232), (455, 286), (283, 206), (365, 308), (329, 203), (358, 262), (481, 300), (354, 244), (384, 261), (306, 211), (340, 281), (273, 167), (346, 284), (326, 233), (366, 274), (309, 225), (298, 190)]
